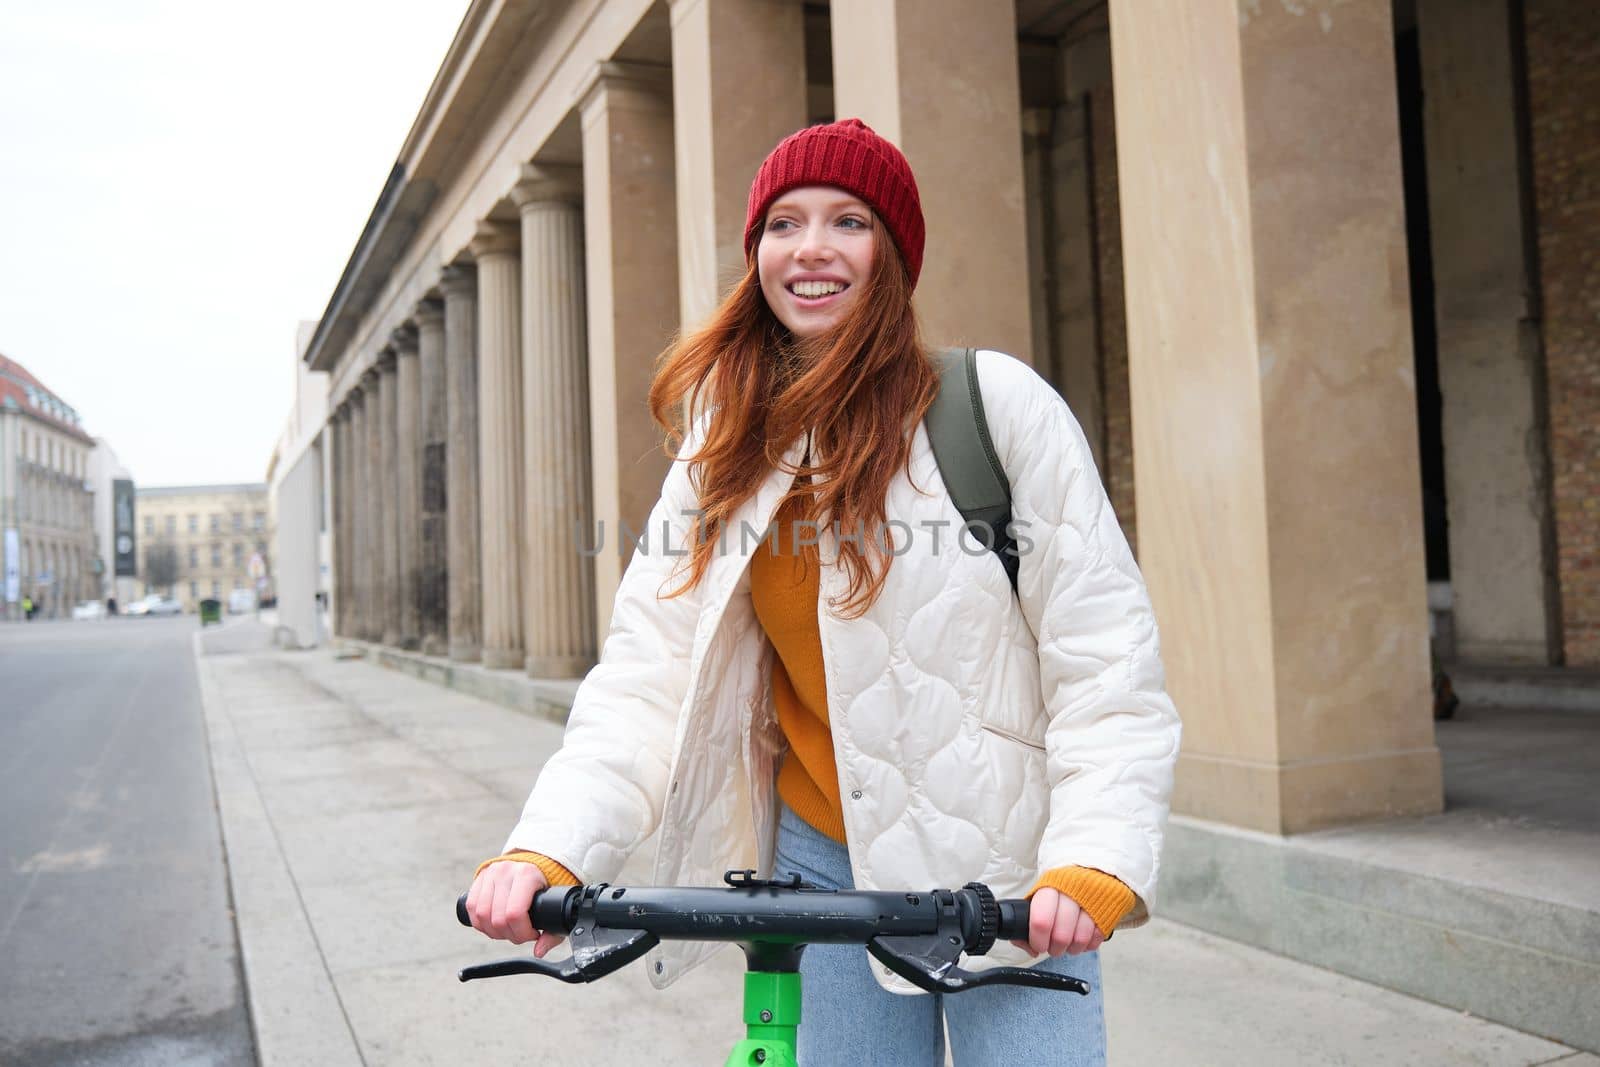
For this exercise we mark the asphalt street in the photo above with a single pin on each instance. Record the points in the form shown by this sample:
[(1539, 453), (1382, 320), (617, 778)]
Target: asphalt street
[(115, 924)]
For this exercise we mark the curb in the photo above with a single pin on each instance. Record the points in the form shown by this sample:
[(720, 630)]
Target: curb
[(546, 698), (295, 1011)]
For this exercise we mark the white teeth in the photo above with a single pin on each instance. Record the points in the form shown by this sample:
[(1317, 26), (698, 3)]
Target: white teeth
[(815, 289)]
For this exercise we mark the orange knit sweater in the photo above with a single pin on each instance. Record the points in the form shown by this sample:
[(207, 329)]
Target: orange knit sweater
[(785, 586)]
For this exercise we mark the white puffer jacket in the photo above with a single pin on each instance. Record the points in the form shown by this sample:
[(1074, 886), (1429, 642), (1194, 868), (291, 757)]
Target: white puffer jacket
[(979, 736)]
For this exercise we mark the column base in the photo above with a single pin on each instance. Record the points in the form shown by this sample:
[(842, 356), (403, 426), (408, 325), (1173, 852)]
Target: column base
[(1294, 798), (411, 643), (465, 651), (434, 645), (390, 638), (500, 659), (557, 666)]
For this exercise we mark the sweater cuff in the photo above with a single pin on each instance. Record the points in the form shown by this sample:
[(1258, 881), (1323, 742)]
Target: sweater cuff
[(1104, 897), (553, 872)]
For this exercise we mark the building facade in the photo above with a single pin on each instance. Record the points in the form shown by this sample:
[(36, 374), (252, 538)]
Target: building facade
[(118, 579), (298, 509), (1331, 359), (208, 535), (46, 502)]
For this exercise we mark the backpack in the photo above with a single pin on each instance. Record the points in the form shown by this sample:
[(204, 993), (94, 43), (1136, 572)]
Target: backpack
[(972, 473)]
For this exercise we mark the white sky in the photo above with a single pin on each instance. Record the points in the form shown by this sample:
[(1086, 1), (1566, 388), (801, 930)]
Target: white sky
[(181, 182)]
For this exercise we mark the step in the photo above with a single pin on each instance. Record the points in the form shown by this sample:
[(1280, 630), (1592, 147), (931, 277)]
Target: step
[(548, 698), (1556, 688), (1496, 920)]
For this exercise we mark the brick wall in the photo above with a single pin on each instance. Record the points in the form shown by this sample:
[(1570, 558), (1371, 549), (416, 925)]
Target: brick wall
[(1563, 57), (1111, 313)]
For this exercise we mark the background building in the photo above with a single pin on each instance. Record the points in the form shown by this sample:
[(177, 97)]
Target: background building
[(118, 566), (1317, 278), (297, 512), (47, 539), (197, 541)]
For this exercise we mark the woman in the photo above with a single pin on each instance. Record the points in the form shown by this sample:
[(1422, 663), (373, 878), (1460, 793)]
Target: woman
[(860, 698)]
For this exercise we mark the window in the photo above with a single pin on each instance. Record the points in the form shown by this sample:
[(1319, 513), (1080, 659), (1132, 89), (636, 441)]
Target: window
[(149, 525), (194, 557), (260, 521), (238, 555), (194, 587), (238, 521), (216, 555), (216, 589), (216, 523), (194, 524)]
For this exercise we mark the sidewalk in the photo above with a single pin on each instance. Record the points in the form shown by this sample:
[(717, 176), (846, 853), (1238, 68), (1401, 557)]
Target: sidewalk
[(355, 802)]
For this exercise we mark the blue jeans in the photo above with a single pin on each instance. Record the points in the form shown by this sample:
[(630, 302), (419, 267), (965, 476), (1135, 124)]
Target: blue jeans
[(847, 1019)]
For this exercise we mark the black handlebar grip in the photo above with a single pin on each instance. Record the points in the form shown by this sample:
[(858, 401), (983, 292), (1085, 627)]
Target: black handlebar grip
[(549, 911), (1013, 921)]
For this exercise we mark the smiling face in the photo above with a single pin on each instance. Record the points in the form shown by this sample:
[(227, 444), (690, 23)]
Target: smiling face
[(814, 256)]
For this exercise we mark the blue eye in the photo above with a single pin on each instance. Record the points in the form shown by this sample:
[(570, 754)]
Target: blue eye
[(777, 224), (853, 222)]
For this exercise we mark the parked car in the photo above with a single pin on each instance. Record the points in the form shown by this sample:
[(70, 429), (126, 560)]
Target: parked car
[(89, 609), (155, 604), (165, 606)]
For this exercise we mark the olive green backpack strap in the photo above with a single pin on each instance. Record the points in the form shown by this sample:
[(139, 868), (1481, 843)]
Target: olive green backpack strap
[(971, 470)]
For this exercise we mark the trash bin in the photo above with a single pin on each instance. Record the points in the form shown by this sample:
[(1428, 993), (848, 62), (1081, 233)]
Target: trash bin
[(210, 610)]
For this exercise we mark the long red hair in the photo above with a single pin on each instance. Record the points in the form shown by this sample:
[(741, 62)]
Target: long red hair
[(860, 388)]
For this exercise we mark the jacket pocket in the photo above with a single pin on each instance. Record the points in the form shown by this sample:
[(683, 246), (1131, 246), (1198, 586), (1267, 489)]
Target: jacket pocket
[(1037, 746)]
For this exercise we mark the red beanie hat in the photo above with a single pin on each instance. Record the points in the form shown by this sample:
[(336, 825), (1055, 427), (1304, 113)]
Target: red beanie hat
[(846, 155)]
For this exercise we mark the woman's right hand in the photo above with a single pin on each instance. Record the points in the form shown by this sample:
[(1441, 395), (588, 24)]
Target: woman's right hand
[(499, 900)]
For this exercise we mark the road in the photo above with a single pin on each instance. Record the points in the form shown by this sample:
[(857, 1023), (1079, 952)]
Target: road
[(115, 924)]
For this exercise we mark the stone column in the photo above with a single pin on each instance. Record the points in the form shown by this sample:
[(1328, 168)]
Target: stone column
[(1490, 362), (738, 88), (339, 451), (408, 479), (389, 492), (465, 595), (500, 441), (892, 68), (350, 614), (371, 540), (348, 477), (1273, 406), (432, 604), (629, 221), (558, 581)]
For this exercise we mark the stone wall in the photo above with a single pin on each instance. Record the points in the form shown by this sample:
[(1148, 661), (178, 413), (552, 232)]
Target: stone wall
[(1563, 75)]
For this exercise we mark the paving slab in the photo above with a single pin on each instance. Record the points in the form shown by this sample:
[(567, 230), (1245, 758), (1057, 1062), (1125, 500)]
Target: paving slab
[(1175, 995)]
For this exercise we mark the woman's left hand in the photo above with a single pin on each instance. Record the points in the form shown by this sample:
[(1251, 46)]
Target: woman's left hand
[(1056, 924)]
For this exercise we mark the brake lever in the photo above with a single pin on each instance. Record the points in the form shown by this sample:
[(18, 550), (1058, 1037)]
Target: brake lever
[(593, 957), (929, 964), (929, 961), (596, 951)]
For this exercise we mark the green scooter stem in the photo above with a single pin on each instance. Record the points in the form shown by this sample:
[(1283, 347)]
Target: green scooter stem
[(771, 1018)]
